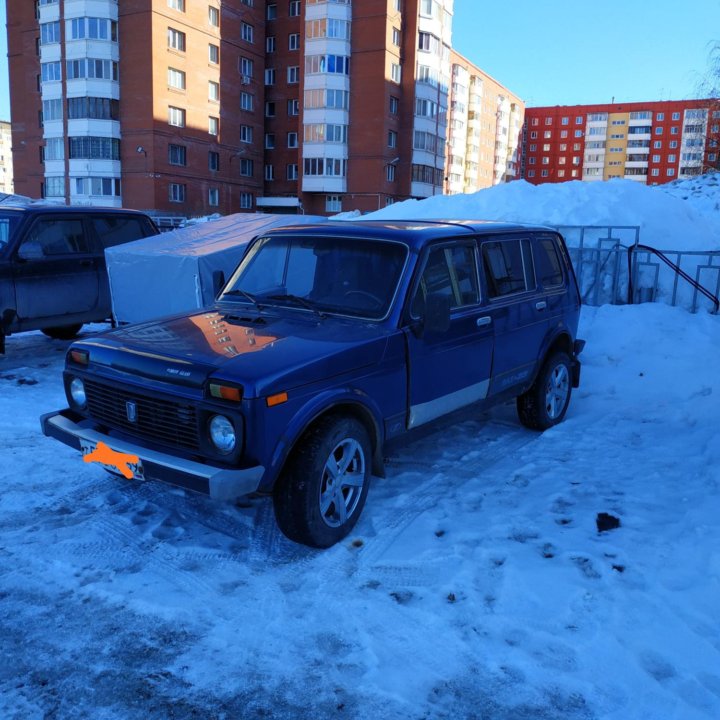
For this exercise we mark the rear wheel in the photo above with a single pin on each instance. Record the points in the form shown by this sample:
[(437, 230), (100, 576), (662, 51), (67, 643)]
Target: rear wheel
[(323, 488), (63, 332), (546, 402)]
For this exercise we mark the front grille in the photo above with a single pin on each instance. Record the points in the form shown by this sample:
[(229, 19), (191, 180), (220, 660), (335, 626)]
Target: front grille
[(166, 421)]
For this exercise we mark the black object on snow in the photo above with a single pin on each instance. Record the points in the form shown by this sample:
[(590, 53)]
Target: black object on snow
[(606, 522)]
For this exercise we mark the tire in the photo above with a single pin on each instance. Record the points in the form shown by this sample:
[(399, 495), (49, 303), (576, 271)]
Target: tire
[(63, 332), (309, 508), (546, 402)]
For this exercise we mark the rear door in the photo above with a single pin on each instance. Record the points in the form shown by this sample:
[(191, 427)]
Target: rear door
[(55, 268), (551, 277), (517, 307), (450, 369)]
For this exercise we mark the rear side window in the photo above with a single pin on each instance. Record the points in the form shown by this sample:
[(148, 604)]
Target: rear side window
[(449, 271), (51, 237), (547, 264), (508, 267), (118, 229)]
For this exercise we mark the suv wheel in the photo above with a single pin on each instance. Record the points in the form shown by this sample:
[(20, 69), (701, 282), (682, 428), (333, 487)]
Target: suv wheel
[(322, 490), (63, 332), (546, 402)]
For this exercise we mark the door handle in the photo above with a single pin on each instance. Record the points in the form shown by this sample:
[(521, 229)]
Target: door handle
[(540, 305), (484, 320)]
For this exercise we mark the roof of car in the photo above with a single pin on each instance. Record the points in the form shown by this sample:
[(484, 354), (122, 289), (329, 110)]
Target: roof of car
[(50, 208), (415, 233)]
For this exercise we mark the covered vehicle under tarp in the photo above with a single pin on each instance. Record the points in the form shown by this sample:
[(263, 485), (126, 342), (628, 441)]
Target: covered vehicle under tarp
[(173, 272)]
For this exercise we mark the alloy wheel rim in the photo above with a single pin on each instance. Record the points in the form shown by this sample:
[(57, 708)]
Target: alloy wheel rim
[(343, 477), (557, 391)]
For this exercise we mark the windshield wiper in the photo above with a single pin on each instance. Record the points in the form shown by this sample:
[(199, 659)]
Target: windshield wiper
[(246, 295), (299, 300)]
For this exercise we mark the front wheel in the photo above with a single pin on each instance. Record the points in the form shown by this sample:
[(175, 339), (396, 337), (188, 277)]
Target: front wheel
[(546, 402), (63, 332), (322, 490)]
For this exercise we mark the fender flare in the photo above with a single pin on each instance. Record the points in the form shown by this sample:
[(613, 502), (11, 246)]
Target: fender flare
[(551, 338), (357, 402)]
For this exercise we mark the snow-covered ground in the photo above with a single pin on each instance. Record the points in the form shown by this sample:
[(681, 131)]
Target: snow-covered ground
[(476, 584)]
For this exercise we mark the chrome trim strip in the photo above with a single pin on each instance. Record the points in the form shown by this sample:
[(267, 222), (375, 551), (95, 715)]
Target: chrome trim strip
[(424, 412)]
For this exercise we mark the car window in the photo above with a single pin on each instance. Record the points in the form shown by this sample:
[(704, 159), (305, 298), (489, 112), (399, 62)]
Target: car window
[(118, 229), (547, 263), (508, 267), (54, 236), (8, 223), (450, 271)]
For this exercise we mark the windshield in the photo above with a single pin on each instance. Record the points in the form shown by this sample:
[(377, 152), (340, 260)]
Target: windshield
[(343, 276), (8, 223)]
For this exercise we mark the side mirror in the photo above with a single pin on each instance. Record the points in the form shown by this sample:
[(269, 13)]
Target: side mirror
[(218, 282), (30, 251), (437, 313)]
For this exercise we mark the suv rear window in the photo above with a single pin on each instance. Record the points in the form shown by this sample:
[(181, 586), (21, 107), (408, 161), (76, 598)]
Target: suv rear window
[(549, 269), (508, 267), (117, 229)]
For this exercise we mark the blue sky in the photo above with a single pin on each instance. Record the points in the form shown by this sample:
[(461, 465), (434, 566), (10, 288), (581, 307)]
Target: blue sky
[(568, 52)]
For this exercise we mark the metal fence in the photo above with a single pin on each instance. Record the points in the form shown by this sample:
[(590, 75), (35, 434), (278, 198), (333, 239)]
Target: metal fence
[(600, 256)]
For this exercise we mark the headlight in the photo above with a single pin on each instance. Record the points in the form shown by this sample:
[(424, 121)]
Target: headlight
[(222, 433), (77, 392)]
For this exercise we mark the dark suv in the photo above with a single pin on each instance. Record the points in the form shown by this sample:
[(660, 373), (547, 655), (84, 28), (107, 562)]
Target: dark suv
[(52, 265), (327, 342)]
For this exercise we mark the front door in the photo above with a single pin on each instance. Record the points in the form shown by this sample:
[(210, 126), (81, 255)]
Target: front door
[(56, 273), (450, 369)]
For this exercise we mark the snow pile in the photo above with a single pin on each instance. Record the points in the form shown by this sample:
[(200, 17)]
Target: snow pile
[(702, 192), (667, 221), (476, 583)]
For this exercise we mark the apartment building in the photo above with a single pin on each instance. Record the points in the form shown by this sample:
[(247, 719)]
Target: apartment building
[(651, 142), (6, 166), (484, 130), (186, 108)]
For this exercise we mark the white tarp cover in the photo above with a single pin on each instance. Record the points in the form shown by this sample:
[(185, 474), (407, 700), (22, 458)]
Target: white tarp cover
[(172, 272)]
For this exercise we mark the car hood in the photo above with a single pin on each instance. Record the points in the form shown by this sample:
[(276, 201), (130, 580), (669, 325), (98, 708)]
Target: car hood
[(264, 354)]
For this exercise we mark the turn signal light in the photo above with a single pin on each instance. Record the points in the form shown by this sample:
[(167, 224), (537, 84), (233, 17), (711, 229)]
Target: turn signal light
[(226, 392), (277, 399), (80, 357)]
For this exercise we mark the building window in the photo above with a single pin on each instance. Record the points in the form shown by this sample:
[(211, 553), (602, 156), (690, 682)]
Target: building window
[(546, 161), (533, 147), (176, 192), (291, 172), (547, 134), (293, 107), (395, 73), (270, 76), (176, 39), (88, 68), (578, 133), (213, 160), (656, 158), (565, 121), (247, 68), (676, 116), (177, 5), (246, 167), (390, 173), (293, 41), (269, 141), (670, 172), (213, 54), (533, 135), (270, 44), (657, 144), (177, 155), (655, 172), (658, 131), (269, 173), (531, 173), (673, 144), (392, 139), (269, 109), (531, 161), (333, 203), (579, 120), (213, 91), (176, 79), (246, 101), (396, 37), (213, 125), (50, 33), (563, 133), (292, 139), (247, 32), (214, 16), (535, 122), (294, 8), (176, 116), (394, 105), (548, 121), (672, 158), (561, 173), (271, 12), (674, 130), (246, 201), (246, 134), (293, 74), (544, 173), (546, 147), (93, 148), (213, 197)]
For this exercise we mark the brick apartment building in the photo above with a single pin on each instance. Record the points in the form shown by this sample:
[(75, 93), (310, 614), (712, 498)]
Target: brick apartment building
[(189, 108), (648, 142)]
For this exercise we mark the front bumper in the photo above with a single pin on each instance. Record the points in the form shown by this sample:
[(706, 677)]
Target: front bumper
[(217, 482)]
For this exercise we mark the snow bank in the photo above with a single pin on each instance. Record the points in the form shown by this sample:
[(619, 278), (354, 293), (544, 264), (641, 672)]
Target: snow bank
[(678, 219)]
